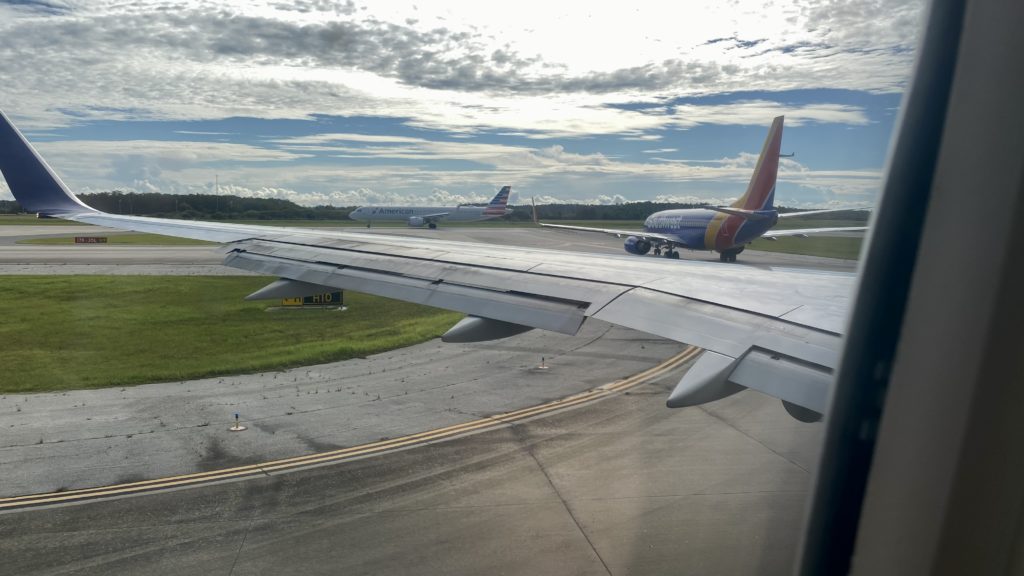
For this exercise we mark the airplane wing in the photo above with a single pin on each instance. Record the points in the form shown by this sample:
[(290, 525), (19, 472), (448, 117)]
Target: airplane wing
[(803, 232), (777, 331), (436, 216), (829, 211), (617, 233)]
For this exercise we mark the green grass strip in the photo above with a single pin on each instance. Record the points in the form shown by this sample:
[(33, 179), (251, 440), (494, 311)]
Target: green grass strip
[(127, 239), (847, 248), (75, 332), (30, 220)]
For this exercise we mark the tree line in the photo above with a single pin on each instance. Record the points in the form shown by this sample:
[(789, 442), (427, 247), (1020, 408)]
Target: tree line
[(224, 207)]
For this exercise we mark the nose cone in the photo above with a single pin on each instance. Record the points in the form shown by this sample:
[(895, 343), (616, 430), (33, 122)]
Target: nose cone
[(356, 214)]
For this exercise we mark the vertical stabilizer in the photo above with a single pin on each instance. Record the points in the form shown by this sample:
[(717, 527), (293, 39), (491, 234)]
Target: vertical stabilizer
[(498, 203), (760, 194)]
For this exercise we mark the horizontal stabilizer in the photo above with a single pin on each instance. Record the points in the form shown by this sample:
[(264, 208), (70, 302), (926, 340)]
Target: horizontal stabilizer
[(805, 232), (826, 211), (746, 214)]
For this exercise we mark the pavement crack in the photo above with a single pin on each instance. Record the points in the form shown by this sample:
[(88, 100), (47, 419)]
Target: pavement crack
[(241, 545), (745, 433), (528, 447)]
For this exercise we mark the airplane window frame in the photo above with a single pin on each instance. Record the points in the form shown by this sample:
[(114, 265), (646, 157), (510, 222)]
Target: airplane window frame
[(931, 489)]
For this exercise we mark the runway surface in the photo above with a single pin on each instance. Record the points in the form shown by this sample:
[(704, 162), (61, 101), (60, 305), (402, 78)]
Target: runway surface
[(621, 485), (107, 258), (80, 439)]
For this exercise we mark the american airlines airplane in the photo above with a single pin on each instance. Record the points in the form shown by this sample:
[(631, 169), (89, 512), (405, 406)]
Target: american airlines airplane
[(430, 215), (774, 330), (726, 230)]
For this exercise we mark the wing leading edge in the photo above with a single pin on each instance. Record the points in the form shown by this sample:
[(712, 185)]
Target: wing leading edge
[(616, 233), (777, 331)]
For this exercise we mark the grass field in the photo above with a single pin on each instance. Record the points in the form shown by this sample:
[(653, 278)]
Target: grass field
[(132, 239), (847, 248), (74, 332), (30, 220)]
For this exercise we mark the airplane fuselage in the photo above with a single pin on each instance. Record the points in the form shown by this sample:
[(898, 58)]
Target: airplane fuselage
[(700, 229), (404, 213)]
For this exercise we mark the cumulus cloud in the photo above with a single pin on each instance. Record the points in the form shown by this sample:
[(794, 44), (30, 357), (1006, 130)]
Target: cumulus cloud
[(290, 60), (475, 69)]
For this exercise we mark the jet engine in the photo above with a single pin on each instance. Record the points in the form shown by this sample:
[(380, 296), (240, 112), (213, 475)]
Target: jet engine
[(416, 221), (637, 246)]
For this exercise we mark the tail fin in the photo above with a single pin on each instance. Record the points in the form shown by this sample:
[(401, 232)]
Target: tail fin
[(760, 194), (499, 202), (32, 182)]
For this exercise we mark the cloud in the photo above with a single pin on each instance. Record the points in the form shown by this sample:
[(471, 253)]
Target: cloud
[(161, 60), (457, 72), (412, 170)]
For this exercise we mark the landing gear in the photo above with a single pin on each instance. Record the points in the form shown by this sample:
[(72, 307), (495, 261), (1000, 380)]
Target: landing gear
[(432, 226), (667, 251), (730, 255)]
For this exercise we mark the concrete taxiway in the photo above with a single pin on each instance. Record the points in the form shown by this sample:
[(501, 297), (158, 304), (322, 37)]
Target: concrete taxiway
[(41, 259), (79, 439), (620, 486)]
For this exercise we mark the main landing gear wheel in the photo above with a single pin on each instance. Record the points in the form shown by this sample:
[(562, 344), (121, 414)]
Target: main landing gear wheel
[(672, 255), (432, 226), (729, 255)]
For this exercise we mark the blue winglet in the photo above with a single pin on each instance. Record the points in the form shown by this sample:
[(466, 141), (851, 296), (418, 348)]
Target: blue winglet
[(32, 182)]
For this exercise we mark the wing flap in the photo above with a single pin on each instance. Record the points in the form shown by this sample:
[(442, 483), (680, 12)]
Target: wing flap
[(547, 314), (745, 214), (589, 294), (786, 378), (715, 376)]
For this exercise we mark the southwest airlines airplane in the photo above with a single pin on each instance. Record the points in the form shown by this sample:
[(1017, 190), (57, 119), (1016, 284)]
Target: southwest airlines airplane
[(726, 230), (774, 330), (419, 215)]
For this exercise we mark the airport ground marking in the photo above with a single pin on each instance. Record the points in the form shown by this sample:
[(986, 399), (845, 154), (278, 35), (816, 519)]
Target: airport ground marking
[(353, 452)]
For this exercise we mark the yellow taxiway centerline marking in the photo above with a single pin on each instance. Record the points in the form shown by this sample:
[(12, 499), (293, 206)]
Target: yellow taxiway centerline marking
[(344, 454)]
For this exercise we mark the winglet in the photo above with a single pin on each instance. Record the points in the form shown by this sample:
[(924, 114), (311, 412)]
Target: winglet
[(536, 219), (36, 187)]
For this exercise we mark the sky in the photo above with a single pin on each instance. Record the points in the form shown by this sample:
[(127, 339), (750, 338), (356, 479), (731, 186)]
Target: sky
[(389, 102)]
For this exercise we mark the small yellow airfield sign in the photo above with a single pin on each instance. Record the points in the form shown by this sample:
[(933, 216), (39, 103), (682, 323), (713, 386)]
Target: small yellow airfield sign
[(325, 299)]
